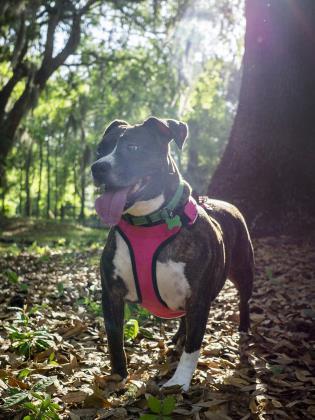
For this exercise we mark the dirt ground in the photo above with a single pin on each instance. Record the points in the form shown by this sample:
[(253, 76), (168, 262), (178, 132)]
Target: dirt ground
[(268, 374)]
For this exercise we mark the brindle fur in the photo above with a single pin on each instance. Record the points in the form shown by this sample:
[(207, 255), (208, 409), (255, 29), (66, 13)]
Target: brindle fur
[(215, 247)]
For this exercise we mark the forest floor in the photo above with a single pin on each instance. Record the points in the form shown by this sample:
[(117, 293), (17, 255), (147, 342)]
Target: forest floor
[(53, 343)]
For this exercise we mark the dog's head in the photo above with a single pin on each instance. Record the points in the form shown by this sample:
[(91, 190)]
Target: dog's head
[(134, 163)]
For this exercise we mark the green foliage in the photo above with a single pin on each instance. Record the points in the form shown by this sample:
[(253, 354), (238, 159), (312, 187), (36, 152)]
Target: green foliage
[(61, 289), (92, 306), (24, 373), (45, 235), (24, 339), (131, 329), (11, 276), (135, 311), (38, 404), (14, 278), (161, 409), (135, 315)]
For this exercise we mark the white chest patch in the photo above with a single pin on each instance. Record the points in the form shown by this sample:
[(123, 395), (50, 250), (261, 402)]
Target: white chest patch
[(172, 284), (123, 267)]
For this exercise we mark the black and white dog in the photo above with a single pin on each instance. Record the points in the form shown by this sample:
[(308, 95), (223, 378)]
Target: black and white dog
[(184, 272)]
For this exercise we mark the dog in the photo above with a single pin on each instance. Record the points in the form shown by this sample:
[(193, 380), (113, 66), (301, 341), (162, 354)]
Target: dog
[(164, 250)]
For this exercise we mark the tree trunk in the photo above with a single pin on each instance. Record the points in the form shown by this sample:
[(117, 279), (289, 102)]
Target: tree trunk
[(39, 191), (20, 208), (57, 148), (48, 197), (75, 187), (86, 155), (3, 201), (83, 186), (268, 167), (28, 163)]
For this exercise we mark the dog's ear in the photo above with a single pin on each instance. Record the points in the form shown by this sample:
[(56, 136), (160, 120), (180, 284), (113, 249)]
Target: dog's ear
[(114, 124), (171, 129)]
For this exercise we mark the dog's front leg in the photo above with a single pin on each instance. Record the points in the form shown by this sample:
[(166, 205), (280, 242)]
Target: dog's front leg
[(196, 321), (113, 312)]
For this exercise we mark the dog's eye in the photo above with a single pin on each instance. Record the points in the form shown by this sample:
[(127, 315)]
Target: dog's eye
[(133, 147)]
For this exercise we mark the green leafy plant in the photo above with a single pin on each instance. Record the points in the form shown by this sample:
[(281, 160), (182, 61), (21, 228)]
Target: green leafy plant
[(11, 276), (25, 339), (160, 409), (131, 329), (24, 373), (14, 278), (133, 313), (43, 408), (61, 289), (94, 307), (51, 359), (38, 403)]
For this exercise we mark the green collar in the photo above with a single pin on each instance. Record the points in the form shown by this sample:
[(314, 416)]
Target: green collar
[(166, 214)]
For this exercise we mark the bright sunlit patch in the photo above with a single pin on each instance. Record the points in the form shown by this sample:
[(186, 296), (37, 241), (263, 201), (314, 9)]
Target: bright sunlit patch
[(197, 39)]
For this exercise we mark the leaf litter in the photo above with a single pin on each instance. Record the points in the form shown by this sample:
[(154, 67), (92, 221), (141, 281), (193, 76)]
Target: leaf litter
[(267, 374)]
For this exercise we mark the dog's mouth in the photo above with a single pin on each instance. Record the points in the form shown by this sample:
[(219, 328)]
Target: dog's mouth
[(113, 202)]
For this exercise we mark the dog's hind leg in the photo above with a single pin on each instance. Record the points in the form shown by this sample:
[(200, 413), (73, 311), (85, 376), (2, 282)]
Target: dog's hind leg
[(242, 276)]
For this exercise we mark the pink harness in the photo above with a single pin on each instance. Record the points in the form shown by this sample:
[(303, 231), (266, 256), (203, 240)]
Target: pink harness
[(144, 244)]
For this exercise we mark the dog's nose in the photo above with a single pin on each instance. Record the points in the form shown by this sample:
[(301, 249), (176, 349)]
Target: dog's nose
[(99, 171)]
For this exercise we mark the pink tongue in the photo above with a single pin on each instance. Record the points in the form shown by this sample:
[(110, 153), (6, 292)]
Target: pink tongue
[(110, 206)]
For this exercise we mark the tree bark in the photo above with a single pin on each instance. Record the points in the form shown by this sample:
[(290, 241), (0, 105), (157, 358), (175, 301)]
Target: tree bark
[(28, 163), (48, 196), (268, 167), (39, 191), (56, 180), (85, 160), (20, 208)]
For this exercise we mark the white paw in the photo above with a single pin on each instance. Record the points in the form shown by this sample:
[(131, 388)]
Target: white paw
[(174, 381), (184, 370)]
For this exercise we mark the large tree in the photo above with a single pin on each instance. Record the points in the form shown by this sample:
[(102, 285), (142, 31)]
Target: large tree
[(268, 167), (28, 30)]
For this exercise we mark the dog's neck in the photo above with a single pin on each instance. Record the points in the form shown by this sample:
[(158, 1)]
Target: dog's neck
[(142, 208), (171, 181)]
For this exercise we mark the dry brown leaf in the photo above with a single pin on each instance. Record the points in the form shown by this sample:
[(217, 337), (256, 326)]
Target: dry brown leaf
[(43, 355), (68, 368), (213, 403), (303, 375), (238, 382), (75, 330), (82, 413), (17, 383), (74, 397)]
